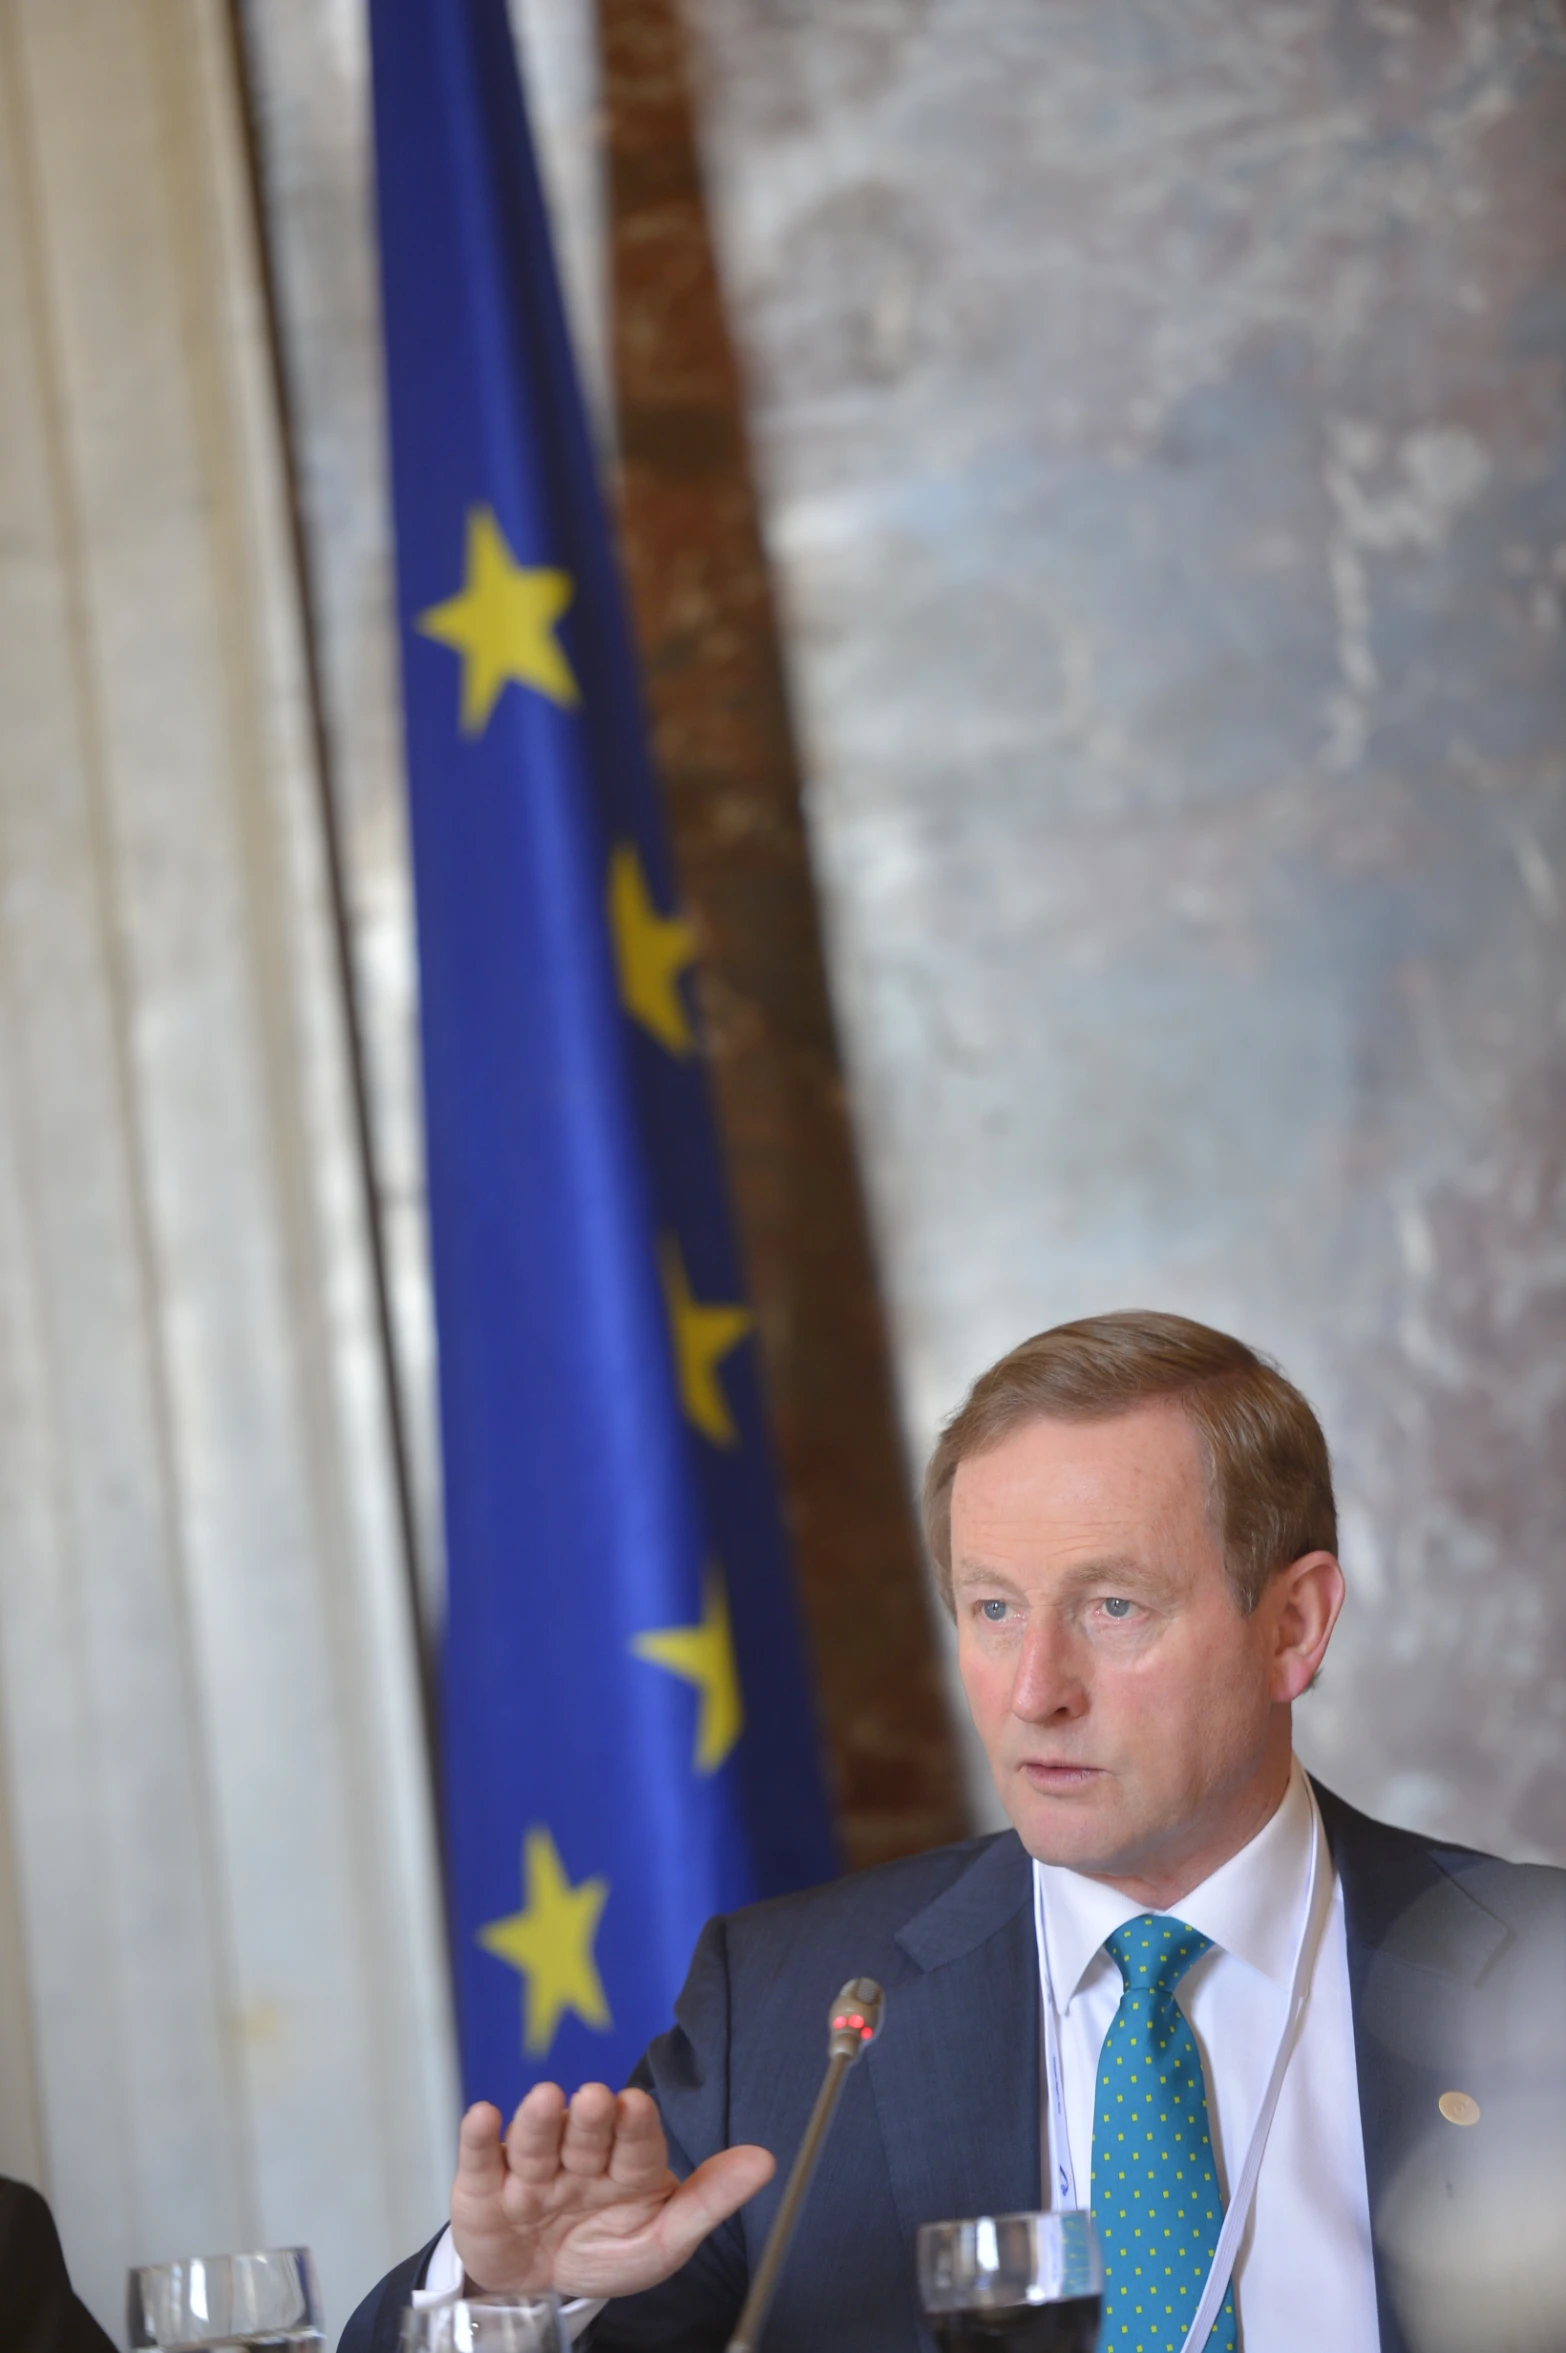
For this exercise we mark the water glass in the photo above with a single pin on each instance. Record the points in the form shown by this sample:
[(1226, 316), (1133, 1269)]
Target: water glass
[(1012, 2283), (267, 2303), (487, 2324)]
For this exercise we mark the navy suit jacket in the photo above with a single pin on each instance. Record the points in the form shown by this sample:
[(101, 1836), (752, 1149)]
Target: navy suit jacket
[(1457, 1966), (38, 2312)]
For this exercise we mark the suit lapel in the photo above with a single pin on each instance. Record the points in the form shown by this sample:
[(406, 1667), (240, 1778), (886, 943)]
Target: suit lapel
[(1417, 1941), (956, 2076)]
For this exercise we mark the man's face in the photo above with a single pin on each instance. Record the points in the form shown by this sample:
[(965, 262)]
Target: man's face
[(1129, 1712)]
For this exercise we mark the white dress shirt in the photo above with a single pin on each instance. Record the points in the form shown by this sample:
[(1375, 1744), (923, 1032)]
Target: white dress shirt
[(1304, 2278), (442, 2273), (443, 2280)]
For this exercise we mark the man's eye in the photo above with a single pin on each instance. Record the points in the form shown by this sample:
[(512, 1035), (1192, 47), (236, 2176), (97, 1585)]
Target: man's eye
[(993, 1611), (1116, 1607)]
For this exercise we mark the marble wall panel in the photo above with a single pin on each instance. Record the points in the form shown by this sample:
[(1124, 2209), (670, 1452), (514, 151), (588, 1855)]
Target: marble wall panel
[(1159, 408)]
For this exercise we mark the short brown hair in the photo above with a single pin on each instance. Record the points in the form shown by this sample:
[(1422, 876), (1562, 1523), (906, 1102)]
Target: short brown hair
[(1269, 1470)]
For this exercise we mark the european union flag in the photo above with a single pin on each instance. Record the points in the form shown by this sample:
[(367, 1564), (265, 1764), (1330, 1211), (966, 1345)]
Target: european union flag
[(629, 1743)]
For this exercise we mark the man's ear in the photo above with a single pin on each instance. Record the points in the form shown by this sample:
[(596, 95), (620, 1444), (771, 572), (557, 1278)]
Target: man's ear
[(1305, 1599)]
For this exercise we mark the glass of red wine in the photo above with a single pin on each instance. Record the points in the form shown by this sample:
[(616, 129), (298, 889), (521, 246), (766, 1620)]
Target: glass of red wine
[(1012, 2283)]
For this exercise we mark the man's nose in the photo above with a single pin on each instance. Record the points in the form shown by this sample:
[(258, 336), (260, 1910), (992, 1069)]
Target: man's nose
[(1049, 1681)]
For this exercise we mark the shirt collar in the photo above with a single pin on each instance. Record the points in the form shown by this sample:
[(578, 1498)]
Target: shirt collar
[(1250, 1905)]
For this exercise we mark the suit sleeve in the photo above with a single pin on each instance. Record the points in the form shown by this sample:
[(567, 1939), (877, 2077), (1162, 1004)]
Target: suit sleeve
[(376, 2326), (688, 2072)]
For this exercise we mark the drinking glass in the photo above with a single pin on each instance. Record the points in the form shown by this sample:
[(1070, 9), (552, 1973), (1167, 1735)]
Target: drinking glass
[(1012, 2283), (487, 2324), (267, 2302)]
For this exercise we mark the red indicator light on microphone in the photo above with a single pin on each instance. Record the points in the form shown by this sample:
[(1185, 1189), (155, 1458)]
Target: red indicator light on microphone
[(867, 2034), (856, 2020), (839, 2022)]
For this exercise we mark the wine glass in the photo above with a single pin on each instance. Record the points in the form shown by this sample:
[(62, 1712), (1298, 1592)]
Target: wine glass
[(487, 2324), (1012, 2283), (269, 2300)]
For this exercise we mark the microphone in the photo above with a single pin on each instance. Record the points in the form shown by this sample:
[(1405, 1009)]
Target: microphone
[(856, 2017)]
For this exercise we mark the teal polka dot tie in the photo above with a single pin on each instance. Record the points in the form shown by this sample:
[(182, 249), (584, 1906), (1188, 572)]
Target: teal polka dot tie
[(1155, 2185)]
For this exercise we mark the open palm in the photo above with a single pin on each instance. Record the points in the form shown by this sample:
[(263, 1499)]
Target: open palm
[(580, 2198)]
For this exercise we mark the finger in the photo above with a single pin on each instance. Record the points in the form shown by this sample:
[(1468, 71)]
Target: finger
[(589, 2131), (709, 2197), (481, 2166), (640, 2156), (533, 2137)]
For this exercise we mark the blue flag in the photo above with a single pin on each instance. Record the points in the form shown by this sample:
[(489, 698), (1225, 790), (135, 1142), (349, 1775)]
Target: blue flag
[(629, 1743)]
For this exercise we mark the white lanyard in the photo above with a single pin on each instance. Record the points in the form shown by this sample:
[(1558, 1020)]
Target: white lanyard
[(1237, 2213)]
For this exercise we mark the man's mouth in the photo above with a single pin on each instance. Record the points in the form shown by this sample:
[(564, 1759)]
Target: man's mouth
[(1059, 1780)]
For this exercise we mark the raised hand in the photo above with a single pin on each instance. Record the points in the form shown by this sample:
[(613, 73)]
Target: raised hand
[(580, 2197)]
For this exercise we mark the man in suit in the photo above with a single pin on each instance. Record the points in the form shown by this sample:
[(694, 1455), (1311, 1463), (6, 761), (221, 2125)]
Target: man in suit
[(38, 2311), (1291, 2056)]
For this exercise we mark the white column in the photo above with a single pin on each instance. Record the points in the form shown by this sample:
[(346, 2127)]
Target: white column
[(229, 1951)]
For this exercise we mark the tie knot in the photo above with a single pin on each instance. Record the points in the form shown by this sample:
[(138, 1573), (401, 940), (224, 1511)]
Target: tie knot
[(1153, 1954)]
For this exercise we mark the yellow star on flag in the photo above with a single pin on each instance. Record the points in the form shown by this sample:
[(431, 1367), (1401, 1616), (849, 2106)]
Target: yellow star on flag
[(704, 1655), (551, 1942), (502, 623), (702, 1337), (651, 950)]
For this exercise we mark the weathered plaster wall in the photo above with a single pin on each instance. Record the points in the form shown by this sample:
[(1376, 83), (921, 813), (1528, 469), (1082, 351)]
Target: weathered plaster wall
[(1159, 407)]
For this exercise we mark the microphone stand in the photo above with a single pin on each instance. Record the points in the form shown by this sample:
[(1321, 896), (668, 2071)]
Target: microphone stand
[(856, 2016)]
